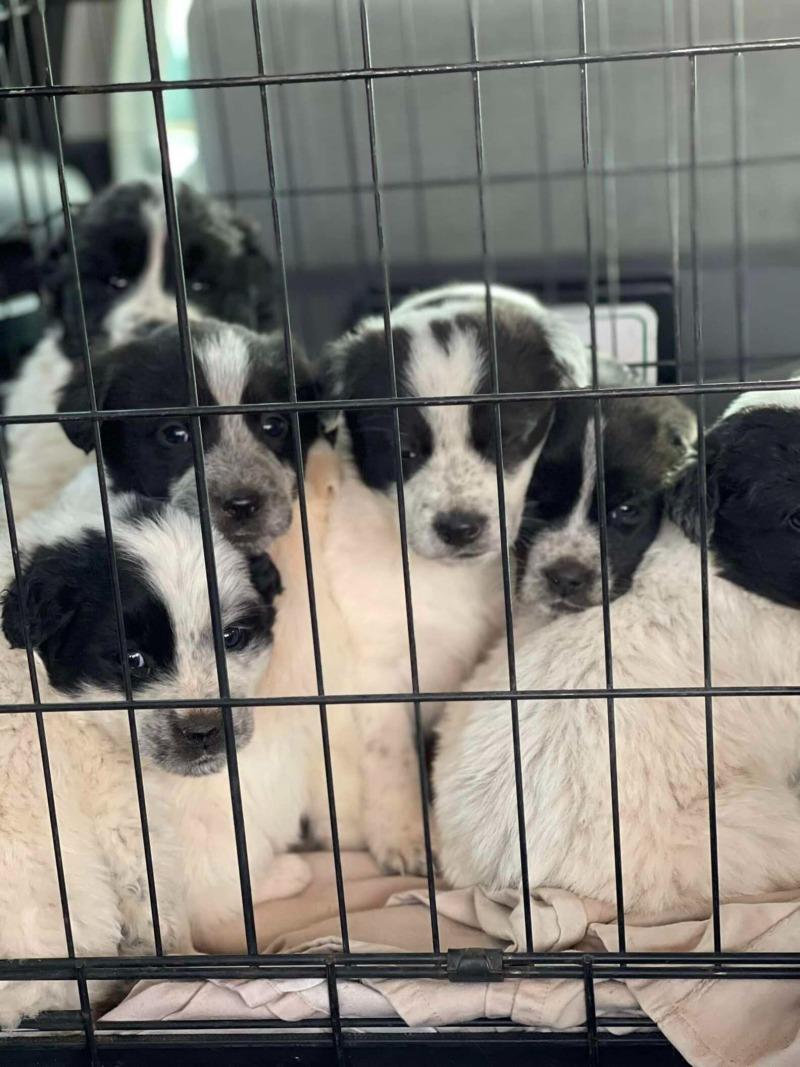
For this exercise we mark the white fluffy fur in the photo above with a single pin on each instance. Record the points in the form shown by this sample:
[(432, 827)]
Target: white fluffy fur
[(660, 745)]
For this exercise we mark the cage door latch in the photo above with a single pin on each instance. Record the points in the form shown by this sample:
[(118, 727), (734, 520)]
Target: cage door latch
[(475, 965)]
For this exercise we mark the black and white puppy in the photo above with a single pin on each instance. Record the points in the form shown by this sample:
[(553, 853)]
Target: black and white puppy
[(753, 509), (250, 459), (644, 440), (127, 269), (128, 284), (442, 347), (65, 600)]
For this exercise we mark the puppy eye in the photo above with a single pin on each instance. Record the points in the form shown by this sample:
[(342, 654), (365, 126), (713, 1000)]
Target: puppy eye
[(235, 638), (116, 281), (137, 665), (174, 433), (275, 427), (409, 454), (625, 515), (198, 286), (794, 520)]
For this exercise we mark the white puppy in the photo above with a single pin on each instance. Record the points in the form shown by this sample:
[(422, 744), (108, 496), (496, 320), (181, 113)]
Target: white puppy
[(753, 507)]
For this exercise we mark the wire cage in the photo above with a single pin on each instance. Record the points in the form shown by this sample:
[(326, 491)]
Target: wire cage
[(597, 156)]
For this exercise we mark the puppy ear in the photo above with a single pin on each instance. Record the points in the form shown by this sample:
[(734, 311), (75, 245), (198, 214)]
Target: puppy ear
[(44, 599), (265, 577), (75, 397), (682, 496)]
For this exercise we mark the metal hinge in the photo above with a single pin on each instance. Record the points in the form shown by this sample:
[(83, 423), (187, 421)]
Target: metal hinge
[(475, 965)]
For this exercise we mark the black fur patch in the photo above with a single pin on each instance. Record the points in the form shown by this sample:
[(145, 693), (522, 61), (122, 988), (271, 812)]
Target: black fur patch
[(753, 501), (69, 605), (145, 373)]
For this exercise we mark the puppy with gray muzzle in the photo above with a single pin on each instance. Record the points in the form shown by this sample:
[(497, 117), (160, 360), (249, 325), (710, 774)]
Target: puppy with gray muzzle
[(644, 440), (65, 602), (442, 346), (250, 459), (128, 286)]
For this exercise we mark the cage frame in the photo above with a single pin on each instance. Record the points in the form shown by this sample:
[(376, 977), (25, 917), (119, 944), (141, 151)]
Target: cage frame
[(344, 1040)]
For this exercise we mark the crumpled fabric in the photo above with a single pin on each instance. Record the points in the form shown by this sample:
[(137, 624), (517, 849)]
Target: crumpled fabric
[(712, 1022)]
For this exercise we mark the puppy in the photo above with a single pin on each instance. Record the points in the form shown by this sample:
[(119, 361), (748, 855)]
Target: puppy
[(644, 439), (128, 284), (65, 598), (754, 596), (250, 460), (442, 347)]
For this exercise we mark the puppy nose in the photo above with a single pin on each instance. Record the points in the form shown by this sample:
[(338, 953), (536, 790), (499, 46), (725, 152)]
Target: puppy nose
[(459, 528), (242, 506), (568, 577), (203, 733)]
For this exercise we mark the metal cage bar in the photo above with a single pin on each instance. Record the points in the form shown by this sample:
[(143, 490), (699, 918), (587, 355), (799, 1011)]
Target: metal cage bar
[(398, 464), (508, 610), (370, 73), (103, 488), (312, 600), (173, 231), (703, 497), (597, 414)]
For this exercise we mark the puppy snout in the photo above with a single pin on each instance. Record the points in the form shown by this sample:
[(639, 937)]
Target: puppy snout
[(201, 732), (459, 528), (243, 505), (569, 579)]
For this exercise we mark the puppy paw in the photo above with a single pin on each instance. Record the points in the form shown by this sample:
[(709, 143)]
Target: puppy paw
[(402, 852)]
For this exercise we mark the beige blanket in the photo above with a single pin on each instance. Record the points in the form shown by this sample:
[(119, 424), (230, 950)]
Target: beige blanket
[(713, 1023)]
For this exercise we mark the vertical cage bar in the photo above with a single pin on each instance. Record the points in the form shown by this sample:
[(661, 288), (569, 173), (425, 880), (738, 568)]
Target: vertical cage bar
[(335, 1013), (609, 180), (44, 755), (541, 111), (349, 126), (699, 369), (741, 286), (14, 143), (173, 231), (211, 25), (86, 1019), (312, 600), (593, 1048), (398, 461), (591, 290), (408, 32), (487, 267), (35, 129), (103, 489), (276, 37), (673, 180)]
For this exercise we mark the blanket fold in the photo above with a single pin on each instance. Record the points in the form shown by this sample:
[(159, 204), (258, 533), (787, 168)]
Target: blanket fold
[(712, 1022)]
